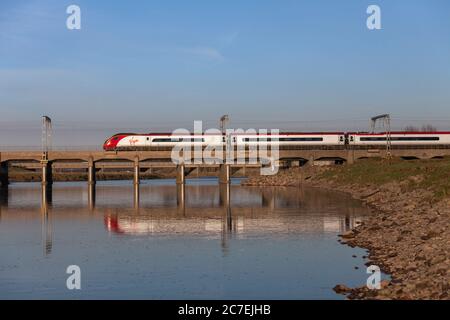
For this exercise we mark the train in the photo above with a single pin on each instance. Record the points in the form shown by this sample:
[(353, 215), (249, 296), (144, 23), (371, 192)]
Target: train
[(304, 140)]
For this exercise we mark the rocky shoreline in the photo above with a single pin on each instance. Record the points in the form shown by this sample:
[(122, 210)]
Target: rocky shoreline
[(408, 236)]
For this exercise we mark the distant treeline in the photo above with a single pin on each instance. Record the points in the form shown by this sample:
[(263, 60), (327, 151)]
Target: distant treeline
[(424, 128)]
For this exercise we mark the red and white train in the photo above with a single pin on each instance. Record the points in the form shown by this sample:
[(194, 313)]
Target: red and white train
[(310, 140)]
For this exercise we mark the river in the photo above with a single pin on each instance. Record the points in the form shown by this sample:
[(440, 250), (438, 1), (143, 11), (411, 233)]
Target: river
[(198, 242)]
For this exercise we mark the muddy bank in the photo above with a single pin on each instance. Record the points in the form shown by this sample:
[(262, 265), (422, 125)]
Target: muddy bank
[(408, 236)]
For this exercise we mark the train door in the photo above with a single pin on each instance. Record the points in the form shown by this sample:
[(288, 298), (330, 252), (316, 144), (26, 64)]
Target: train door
[(147, 142), (349, 139)]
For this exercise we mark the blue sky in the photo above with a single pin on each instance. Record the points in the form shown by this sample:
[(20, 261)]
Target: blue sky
[(159, 65)]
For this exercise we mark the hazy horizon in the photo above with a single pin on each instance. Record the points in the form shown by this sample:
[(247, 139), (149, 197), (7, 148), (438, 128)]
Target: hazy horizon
[(159, 65)]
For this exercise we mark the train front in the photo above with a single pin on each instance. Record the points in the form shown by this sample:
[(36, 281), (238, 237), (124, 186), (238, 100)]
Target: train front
[(111, 143)]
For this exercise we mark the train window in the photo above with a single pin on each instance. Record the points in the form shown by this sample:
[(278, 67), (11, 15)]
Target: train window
[(341, 138), (178, 140), (256, 139), (148, 138), (401, 139), (307, 139), (161, 140), (352, 138)]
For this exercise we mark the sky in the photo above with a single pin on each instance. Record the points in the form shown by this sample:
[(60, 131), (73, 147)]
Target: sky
[(159, 65)]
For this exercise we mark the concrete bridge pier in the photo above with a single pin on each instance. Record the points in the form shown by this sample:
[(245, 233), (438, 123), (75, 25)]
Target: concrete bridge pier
[(4, 168), (91, 172), (351, 157), (181, 174), (47, 175), (311, 161), (224, 173), (294, 163), (136, 179)]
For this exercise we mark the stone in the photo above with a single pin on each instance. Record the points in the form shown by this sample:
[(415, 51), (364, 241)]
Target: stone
[(341, 289)]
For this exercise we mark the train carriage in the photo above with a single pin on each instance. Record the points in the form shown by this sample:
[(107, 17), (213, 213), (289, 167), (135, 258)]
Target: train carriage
[(124, 142), (400, 139)]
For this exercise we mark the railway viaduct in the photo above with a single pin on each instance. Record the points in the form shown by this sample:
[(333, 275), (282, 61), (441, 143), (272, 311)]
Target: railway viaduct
[(94, 160)]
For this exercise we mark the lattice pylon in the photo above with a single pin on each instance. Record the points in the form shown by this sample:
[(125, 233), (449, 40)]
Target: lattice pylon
[(46, 136)]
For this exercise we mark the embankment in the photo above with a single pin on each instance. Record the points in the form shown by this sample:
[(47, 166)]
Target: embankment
[(408, 235)]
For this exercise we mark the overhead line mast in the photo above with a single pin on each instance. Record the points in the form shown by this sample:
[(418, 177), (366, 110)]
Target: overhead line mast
[(46, 136), (386, 122)]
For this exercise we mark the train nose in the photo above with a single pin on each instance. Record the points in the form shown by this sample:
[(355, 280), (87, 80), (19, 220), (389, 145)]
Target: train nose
[(107, 145), (111, 143)]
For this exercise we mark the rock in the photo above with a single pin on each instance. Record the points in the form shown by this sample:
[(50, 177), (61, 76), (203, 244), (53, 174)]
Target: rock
[(341, 289), (347, 235), (384, 283)]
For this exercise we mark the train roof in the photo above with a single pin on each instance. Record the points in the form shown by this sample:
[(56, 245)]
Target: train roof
[(237, 133), (365, 133), (400, 132)]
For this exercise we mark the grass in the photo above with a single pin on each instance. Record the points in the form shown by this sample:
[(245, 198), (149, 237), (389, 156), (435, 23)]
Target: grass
[(433, 175)]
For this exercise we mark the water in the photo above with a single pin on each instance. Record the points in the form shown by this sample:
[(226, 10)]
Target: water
[(213, 243)]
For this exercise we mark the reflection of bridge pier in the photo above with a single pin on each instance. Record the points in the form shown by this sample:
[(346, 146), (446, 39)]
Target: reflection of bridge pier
[(4, 181), (224, 194), (91, 196), (47, 194), (227, 224), (181, 196), (347, 222), (268, 198), (47, 240), (4, 192), (3, 198), (136, 182), (136, 195)]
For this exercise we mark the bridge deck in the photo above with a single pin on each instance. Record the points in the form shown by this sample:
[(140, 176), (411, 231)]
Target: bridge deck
[(165, 156)]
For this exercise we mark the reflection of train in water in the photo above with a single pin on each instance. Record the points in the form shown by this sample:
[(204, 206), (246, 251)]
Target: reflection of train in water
[(288, 140), (214, 226)]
